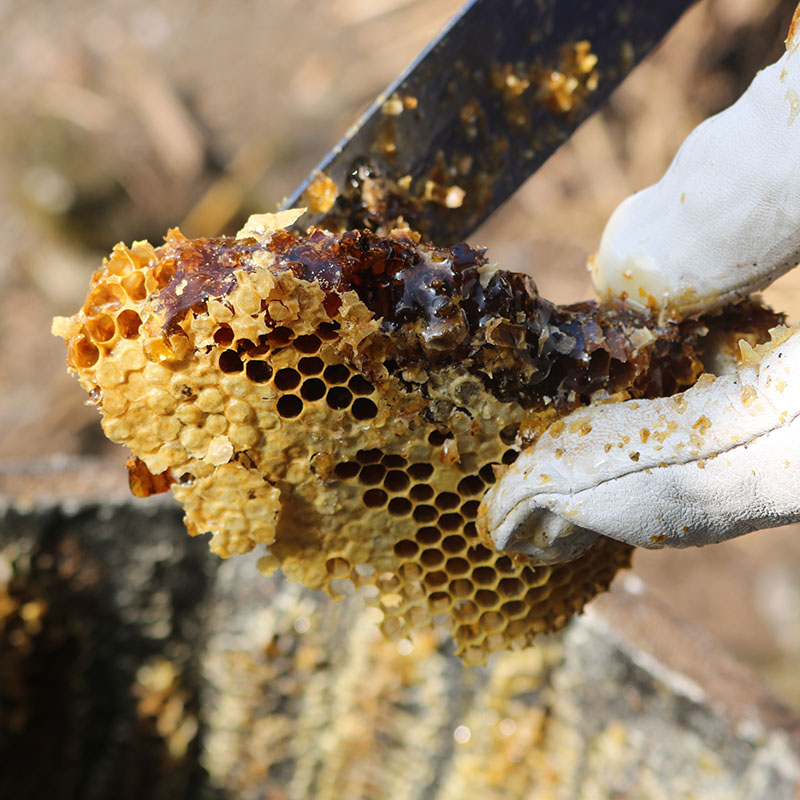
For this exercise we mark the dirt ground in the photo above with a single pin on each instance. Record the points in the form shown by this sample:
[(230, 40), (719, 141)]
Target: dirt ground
[(121, 119)]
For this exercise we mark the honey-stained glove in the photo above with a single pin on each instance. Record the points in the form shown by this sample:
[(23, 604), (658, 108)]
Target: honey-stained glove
[(722, 458)]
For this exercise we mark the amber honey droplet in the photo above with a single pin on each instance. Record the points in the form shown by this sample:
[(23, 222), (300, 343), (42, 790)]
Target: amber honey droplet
[(143, 483)]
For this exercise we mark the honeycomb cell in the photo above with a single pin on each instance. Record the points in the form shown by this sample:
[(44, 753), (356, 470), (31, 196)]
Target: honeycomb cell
[(102, 328), (457, 566), (337, 567), (328, 331), (421, 492), (289, 406), (406, 548), (535, 576), (243, 436), (310, 365), (413, 591), (392, 628), (514, 609), (425, 513), (399, 506), (84, 353), (484, 576), (508, 435), (395, 480), (537, 594), (388, 582), (372, 474), (418, 615), (229, 361), (435, 579), (428, 535), (393, 461), (437, 438), (163, 274), (339, 397), (210, 400), (308, 343), (487, 474), (509, 457), (486, 598), (470, 509), (450, 522), (372, 456), (410, 572), (511, 587), (470, 485), (287, 379), (363, 408), (105, 299), (359, 385), (492, 621), (375, 498), (420, 471), (431, 558), (134, 286), (478, 554), (223, 335), (336, 373), (505, 565), (440, 602), (464, 610), (454, 544), (347, 469), (280, 336), (446, 500), (128, 324), (468, 633), (312, 389), (258, 371)]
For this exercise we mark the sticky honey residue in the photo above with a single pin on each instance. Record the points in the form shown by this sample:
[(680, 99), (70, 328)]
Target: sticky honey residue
[(448, 196), (320, 195), (748, 357), (394, 106), (793, 28), (563, 89), (748, 396), (143, 483), (581, 426), (794, 104)]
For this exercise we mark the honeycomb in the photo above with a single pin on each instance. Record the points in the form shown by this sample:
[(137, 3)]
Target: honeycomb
[(344, 400)]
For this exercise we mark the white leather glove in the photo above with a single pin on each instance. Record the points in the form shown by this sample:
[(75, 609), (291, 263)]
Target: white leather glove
[(722, 458)]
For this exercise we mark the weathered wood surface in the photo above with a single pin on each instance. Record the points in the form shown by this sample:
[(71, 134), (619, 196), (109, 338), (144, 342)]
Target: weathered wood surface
[(135, 664)]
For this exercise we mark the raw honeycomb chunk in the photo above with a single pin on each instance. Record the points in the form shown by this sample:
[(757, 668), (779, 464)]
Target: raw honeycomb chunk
[(344, 400)]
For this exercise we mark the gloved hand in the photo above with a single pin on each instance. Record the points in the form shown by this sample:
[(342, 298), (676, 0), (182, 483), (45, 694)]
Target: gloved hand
[(722, 458)]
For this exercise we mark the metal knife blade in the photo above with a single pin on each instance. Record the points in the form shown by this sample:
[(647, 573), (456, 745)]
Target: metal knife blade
[(486, 103)]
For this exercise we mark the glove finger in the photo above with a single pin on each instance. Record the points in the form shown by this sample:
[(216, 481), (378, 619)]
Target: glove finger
[(724, 221), (716, 461)]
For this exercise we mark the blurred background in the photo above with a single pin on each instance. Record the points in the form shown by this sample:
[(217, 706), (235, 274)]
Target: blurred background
[(120, 119)]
